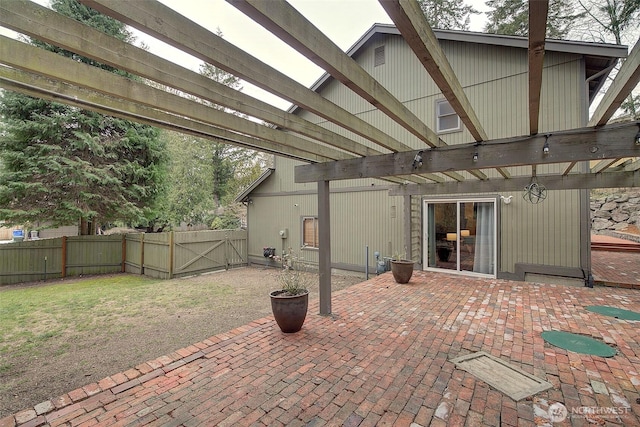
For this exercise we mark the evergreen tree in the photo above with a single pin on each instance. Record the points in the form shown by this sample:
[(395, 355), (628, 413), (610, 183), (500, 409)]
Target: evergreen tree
[(205, 174), (447, 14), (511, 17), (63, 165)]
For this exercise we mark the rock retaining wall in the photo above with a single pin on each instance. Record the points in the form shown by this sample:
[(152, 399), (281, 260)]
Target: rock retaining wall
[(613, 213)]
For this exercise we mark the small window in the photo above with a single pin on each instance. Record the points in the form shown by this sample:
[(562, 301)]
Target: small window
[(446, 118), (310, 232), (378, 56)]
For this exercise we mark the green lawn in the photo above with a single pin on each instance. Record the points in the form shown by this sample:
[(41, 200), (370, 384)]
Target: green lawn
[(30, 316)]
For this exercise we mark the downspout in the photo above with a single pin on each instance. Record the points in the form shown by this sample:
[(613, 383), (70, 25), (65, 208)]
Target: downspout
[(585, 256), (595, 76)]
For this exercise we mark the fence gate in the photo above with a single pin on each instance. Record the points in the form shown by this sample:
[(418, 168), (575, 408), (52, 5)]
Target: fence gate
[(200, 251)]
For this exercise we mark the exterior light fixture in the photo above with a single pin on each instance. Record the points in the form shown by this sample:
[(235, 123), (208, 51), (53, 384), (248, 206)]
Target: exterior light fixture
[(638, 136), (534, 192), (545, 147), (417, 160), (475, 156), (506, 200)]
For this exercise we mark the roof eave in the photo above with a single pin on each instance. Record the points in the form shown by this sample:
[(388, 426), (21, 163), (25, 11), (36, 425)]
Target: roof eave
[(606, 50), (244, 196)]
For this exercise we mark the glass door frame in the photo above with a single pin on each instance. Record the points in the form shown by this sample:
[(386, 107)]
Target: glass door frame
[(458, 201)]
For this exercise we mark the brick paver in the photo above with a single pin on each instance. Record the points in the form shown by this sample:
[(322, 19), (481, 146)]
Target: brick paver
[(619, 269), (615, 268), (382, 358)]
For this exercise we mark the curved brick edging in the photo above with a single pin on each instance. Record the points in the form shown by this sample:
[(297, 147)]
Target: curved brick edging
[(91, 397)]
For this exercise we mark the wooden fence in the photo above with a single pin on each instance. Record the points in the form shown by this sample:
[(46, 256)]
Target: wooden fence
[(185, 253), (160, 255)]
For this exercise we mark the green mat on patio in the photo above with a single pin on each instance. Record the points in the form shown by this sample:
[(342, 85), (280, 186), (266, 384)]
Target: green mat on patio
[(578, 343), (618, 313)]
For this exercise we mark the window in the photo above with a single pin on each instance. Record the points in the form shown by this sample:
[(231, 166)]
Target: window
[(310, 232), (378, 56), (447, 120)]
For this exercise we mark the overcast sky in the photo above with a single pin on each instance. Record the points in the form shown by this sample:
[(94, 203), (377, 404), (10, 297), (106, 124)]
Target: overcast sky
[(343, 21)]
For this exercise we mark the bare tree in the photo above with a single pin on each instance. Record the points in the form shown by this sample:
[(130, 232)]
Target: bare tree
[(617, 20)]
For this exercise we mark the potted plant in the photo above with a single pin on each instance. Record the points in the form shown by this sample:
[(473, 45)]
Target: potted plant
[(289, 303), (402, 269)]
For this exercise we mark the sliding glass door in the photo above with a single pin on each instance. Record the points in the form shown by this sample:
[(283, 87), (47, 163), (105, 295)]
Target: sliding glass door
[(460, 235)]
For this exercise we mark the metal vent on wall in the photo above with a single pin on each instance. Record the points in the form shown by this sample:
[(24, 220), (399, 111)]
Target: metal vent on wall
[(379, 56)]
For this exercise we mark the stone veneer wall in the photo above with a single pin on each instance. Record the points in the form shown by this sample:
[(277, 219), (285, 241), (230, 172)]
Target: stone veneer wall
[(613, 212)]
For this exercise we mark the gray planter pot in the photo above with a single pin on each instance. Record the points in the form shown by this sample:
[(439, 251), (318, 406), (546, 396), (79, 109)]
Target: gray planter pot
[(402, 270)]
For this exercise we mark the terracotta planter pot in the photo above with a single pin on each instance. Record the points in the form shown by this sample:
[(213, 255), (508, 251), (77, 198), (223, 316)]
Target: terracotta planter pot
[(289, 311), (402, 270)]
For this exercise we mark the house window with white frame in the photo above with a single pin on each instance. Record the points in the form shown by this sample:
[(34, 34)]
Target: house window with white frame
[(446, 118), (310, 232)]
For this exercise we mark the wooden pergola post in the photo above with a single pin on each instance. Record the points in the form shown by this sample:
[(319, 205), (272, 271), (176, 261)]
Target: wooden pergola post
[(324, 240)]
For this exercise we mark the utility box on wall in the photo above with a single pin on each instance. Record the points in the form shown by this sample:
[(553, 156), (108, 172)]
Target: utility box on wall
[(284, 233)]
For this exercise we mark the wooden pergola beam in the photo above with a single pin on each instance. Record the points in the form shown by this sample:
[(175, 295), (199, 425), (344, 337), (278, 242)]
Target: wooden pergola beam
[(23, 56), (33, 59), (292, 27), (550, 182), (538, 10), (176, 30), (56, 91), (624, 82), (603, 165), (46, 25), (415, 29), (611, 141), (413, 25), (633, 166)]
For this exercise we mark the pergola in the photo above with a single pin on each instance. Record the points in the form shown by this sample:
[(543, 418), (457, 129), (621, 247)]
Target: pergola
[(158, 99)]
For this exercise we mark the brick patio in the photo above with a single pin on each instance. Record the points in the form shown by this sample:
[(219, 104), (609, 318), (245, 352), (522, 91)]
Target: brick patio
[(382, 358)]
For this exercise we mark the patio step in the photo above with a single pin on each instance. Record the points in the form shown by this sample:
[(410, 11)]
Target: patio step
[(616, 246)]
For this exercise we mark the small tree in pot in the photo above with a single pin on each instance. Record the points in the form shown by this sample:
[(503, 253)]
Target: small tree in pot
[(401, 268), (289, 304)]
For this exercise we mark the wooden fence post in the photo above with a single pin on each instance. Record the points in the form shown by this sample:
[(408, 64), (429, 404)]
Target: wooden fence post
[(226, 250), (63, 272), (171, 244), (141, 253), (124, 253)]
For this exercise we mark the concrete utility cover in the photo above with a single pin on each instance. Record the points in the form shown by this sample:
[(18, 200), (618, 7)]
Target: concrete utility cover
[(618, 313), (578, 343), (510, 380)]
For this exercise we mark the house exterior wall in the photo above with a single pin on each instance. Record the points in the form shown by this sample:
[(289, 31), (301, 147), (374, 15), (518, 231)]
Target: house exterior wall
[(358, 219), (495, 79)]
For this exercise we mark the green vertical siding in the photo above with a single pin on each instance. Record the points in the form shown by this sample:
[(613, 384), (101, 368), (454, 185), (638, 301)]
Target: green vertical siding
[(358, 218), (495, 79)]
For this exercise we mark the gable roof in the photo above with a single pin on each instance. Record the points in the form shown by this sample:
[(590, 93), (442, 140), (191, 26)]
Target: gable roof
[(598, 56), (244, 196)]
